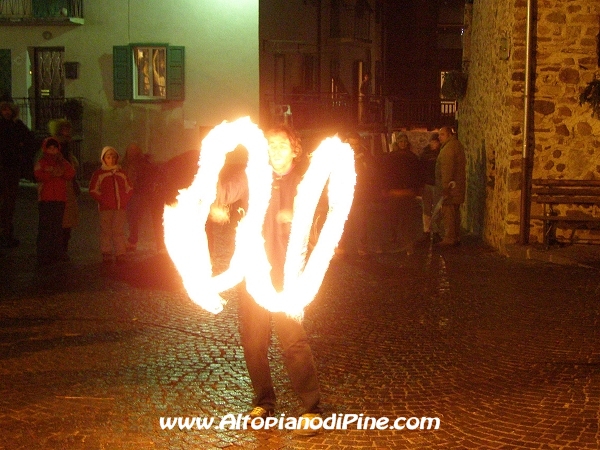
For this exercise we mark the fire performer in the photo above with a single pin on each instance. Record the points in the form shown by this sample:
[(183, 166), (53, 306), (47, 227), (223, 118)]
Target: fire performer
[(285, 157)]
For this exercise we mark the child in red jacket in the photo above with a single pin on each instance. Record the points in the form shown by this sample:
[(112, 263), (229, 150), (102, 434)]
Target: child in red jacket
[(52, 172), (111, 188)]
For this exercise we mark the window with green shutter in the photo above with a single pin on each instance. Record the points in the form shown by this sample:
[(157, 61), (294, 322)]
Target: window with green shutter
[(148, 72)]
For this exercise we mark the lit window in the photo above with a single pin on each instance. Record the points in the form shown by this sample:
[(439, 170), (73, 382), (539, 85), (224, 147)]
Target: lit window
[(150, 80), (145, 72)]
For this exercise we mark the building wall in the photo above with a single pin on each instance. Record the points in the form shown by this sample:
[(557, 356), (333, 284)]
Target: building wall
[(491, 115), (221, 69), (290, 30)]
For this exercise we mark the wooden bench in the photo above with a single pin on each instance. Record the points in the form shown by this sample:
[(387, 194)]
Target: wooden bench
[(551, 193)]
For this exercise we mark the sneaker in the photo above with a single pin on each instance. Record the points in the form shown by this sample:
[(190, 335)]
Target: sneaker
[(309, 424), (259, 411)]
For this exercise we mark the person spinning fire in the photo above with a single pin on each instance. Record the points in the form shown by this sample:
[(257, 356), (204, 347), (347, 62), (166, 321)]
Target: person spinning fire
[(285, 157)]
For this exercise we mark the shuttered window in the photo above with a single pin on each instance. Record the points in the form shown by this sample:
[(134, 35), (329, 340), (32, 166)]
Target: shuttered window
[(148, 72)]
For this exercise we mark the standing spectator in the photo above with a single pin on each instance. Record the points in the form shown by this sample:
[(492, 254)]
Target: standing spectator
[(403, 183), (110, 187), (430, 195), (142, 175), (364, 99), (356, 230), (16, 140), (53, 172), (62, 131), (450, 177), (255, 321)]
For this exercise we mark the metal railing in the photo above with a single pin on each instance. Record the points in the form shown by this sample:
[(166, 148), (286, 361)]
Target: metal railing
[(37, 112), (306, 111), (410, 113), (325, 110), (28, 9)]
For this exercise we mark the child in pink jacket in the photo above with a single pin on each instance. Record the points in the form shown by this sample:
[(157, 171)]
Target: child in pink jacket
[(111, 188)]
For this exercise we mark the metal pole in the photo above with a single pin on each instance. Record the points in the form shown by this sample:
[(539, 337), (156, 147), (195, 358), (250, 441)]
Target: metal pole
[(525, 184)]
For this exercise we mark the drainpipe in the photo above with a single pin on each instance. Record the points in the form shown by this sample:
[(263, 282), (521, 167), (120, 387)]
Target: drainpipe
[(319, 45), (526, 155)]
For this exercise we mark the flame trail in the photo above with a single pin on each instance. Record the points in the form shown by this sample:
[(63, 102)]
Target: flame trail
[(186, 239)]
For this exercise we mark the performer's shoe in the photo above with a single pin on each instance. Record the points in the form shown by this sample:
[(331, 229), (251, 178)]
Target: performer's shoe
[(259, 411)]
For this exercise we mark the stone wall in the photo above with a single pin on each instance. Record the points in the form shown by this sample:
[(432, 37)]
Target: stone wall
[(564, 134)]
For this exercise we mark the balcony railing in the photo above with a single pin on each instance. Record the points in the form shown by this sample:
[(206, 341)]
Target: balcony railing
[(411, 113), (36, 12), (341, 110)]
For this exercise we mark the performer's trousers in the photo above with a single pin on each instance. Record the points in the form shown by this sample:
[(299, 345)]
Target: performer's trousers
[(255, 332)]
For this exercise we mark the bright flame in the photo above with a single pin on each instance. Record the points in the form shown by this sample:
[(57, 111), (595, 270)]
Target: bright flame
[(186, 239), (333, 161)]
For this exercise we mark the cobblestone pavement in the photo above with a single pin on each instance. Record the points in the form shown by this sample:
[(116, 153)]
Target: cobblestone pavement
[(505, 352)]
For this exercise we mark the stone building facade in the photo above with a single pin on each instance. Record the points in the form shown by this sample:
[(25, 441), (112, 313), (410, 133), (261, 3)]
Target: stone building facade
[(564, 136)]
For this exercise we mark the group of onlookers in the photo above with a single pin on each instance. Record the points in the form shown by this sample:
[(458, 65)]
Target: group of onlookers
[(53, 165), (391, 187)]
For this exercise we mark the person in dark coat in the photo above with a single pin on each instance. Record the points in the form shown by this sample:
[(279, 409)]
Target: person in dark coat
[(366, 192), (15, 142), (402, 185)]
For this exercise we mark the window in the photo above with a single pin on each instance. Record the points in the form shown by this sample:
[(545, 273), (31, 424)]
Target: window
[(148, 72), (150, 67)]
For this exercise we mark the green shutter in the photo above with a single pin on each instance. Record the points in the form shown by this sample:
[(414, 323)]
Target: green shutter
[(122, 73), (175, 73), (5, 73)]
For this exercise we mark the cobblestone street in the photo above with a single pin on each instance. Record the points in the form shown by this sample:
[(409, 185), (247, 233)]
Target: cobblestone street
[(505, 352)]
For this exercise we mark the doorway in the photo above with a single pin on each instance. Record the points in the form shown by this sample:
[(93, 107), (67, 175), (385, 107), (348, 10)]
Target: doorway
[(49, 85)]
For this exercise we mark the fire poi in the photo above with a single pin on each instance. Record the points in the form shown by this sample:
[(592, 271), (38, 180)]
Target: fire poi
[(187, 243)]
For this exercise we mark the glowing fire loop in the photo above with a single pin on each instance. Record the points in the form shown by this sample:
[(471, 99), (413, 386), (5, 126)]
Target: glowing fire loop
[(187, 243)]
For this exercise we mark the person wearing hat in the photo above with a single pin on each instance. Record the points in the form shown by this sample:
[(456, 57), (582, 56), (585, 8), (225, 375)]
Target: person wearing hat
[(15, 141), (111, 188)]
